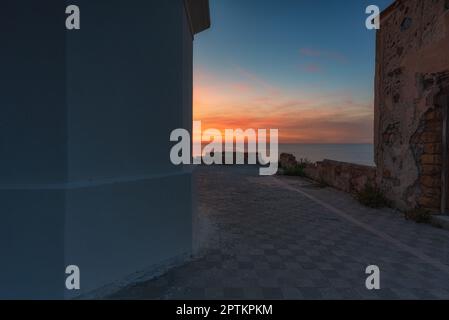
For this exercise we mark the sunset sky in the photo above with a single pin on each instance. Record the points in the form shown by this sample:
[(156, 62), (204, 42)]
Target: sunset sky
[(303, 67)]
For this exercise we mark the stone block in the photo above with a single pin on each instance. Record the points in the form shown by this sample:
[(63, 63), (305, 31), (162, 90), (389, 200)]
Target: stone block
[(428, 137), (287, 161), (434, 192), (428, 169), (428, 202), (431, 159), (431, 181), (433, 148)]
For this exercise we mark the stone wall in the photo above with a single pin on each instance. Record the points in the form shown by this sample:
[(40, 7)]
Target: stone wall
[(344, 176), (426, 146), (412, 73), (348, 177)]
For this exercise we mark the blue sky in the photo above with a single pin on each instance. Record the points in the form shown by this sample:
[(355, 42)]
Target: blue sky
[(313, 53)]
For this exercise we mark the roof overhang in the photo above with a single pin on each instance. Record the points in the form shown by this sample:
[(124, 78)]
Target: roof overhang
[(199, 15)]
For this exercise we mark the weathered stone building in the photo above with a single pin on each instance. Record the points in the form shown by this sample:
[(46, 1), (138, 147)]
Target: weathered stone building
[(411, 101)]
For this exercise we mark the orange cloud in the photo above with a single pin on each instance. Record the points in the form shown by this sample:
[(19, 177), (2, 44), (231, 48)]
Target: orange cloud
[(301, 117)]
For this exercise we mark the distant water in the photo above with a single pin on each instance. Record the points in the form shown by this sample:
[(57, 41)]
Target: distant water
[(355, 153)]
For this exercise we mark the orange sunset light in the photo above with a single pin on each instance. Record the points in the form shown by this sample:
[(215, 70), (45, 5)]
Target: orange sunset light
[(300, 117)]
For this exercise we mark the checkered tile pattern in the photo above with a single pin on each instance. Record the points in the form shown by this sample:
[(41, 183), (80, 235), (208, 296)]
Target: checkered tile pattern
[(274, 243)]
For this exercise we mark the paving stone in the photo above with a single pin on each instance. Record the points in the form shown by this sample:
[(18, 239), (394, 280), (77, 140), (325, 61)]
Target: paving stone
[(277, 243)]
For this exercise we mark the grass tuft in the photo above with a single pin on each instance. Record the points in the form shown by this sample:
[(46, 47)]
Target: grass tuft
[(296, 171), (372, 197)]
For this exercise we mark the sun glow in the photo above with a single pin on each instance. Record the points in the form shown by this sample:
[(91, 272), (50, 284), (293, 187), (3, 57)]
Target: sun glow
[(301, 117)]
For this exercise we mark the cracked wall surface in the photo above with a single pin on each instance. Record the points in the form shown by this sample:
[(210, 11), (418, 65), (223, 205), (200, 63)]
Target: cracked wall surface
[(412, 72)]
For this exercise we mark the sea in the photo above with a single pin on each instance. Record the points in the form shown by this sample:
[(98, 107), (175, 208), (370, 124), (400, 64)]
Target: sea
[(354, 153)]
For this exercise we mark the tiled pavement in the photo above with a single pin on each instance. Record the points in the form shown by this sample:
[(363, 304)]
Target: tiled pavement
[(284, 238)]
